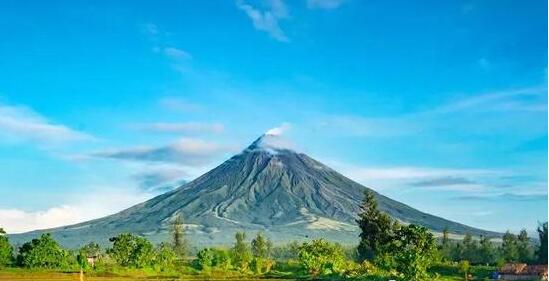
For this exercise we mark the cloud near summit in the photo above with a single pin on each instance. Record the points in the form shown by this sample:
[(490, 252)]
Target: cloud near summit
[(186, 151)]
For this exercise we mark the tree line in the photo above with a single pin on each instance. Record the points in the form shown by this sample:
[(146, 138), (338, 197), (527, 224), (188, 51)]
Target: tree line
[(386, 248), (410, 250)]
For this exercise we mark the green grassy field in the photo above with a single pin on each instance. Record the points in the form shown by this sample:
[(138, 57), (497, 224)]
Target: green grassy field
[(445, 273)]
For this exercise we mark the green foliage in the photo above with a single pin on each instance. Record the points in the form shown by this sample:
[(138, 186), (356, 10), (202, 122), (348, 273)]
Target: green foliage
[(261, 250), (524, 247), (376, 228), (222, 259), (470, 249), (541, 252), (205, 258), (509, 249), (413, 251), (165, 257), (131, 251), (91, 249), (464, 267), (486, 251), (261, 246), (6, 251), (445, 249), (320, 257), (43, 252), (177, 231), (241, 254), (286, 252)]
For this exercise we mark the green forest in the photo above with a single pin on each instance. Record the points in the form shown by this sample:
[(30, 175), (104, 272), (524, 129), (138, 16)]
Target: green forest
[(386, 249)]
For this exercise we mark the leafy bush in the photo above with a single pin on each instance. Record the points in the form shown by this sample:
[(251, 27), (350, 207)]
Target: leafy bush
[(44, 252), (205, 258), (6, 251), (131, 251), (165, 257), (320, 257)]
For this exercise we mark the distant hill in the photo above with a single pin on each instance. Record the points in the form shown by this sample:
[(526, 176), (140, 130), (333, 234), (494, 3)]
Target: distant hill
[(267, 187)]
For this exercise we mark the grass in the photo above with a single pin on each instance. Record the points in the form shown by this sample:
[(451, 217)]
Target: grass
[(281, 271)]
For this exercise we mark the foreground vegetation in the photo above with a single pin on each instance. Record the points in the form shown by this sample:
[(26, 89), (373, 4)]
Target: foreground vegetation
[(386, 250)]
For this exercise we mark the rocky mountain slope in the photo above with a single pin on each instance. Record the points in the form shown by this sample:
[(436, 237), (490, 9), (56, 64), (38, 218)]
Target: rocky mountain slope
[(267, 187)]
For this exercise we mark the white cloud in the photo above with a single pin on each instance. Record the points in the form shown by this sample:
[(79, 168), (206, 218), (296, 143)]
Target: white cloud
[(412, 177), (188, 151), (161, 178), (96, 203), (19, 123), (492, 112), (179, 104), (521, 99), (277, 131), (176, 53), (182, 127), (267, 20), (409, 173), (324, 4)]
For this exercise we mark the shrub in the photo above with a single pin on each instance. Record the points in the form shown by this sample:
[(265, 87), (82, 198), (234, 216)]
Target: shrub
[(131, 250), (320, 257), (44, 252)]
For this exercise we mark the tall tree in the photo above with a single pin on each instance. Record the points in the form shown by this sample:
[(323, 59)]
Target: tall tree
[(524, 247), (509, 251), (177, 230), (260, 246), (377, 228), (470, 249), (541, 252), (413, 251), (6, 251), (446, 245), (241, 252), (486, 254)]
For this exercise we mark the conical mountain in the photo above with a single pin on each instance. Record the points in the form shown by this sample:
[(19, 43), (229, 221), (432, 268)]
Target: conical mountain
[(267, 187)]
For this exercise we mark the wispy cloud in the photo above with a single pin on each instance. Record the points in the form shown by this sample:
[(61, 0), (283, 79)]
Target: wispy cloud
[(444, 181), (521, 99), (187, 151), (324, 4), (504, 197), (486, 112), (267, 20), (181, 127), (418, 177), (179, 104), (179, 59), (161, 178), (409, 173), (20, 123), (176, 53)]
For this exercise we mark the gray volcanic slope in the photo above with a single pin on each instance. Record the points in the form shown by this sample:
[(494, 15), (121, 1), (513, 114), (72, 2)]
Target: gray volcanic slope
[(268, 188)]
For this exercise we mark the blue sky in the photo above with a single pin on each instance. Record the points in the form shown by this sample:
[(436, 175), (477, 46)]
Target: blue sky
[(439, 104)]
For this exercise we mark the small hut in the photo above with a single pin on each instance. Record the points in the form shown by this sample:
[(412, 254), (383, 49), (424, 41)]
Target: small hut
[(522, 271)]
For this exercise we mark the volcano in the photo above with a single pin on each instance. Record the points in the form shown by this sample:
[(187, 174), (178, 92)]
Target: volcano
[(267, 187)]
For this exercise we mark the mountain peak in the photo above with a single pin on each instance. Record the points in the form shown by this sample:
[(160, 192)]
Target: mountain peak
[(272, 143)]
